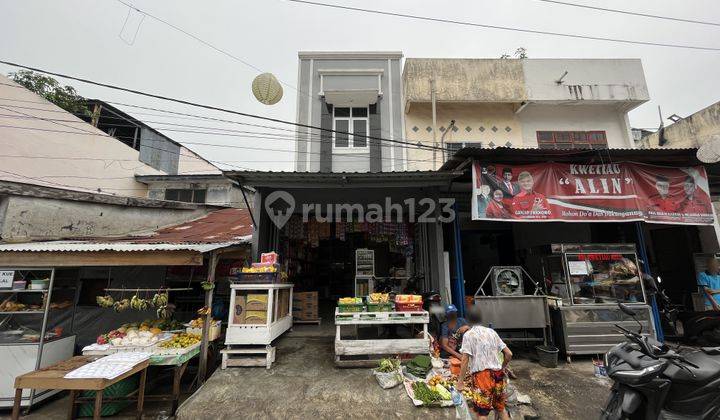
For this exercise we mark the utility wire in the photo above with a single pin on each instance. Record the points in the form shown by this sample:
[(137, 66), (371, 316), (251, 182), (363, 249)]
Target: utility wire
[(504, 28), (211, 107), (628, 12)]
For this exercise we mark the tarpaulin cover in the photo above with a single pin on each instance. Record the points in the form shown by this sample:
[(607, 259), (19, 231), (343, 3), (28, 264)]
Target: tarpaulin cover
[(611, 192)]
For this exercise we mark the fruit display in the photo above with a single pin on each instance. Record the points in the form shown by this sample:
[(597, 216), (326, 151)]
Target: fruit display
[(121, 305), (439, 380), (149, 324), (260, 269), (408, 299), (180, 341), (10, 306), (106, 301), (199, 322), (379, 297), (160, 299), (139, 304), (350, 301), (129, 337)]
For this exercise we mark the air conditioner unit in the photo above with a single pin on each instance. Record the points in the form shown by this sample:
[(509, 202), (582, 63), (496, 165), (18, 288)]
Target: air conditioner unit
[(507, 281)]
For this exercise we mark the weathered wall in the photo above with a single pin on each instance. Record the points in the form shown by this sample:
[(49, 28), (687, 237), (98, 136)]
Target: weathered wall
[(75, 156), (612, 80), (31, 218), (218, 193), (541, 117), (190, 162), (474, 122), (691, 131), (459, 80)]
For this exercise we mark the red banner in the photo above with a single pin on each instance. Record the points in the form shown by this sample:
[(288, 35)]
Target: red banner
[(619, 192)]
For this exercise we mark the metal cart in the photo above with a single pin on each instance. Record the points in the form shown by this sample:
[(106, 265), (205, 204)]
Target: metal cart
[(590, 280)]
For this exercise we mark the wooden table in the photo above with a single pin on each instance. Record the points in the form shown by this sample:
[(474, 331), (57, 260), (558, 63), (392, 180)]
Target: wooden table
[(53, 377)]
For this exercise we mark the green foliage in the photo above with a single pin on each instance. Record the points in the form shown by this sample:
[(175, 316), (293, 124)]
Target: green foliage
[(63, 96), (519, 53)]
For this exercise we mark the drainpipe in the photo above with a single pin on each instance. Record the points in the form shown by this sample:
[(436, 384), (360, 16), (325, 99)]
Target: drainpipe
[(442, 139), (434, 121)]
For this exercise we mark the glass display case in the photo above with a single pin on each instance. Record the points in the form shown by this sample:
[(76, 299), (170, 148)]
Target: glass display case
[(590, 280)]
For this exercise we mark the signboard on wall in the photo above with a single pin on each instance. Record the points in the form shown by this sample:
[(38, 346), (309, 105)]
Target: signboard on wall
[(612, 192), (6, 279)]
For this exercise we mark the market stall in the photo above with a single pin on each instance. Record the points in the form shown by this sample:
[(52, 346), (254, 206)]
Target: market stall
[(29, 335), (132, 291), (378, 310)]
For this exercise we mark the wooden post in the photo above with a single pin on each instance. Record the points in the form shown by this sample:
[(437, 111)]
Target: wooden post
[(202, 368)]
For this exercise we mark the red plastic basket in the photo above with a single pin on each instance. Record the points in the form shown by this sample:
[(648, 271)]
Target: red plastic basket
[(408, 307)]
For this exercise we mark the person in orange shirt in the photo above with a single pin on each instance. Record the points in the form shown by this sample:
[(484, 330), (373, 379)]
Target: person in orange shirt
[(661, 202), (529, 204), (691, 203), (496, 208)]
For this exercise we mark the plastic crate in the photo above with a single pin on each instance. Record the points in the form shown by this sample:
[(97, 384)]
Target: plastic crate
[(111, 408), (408, 307), (380, 307), (258, 278), (353, 307)]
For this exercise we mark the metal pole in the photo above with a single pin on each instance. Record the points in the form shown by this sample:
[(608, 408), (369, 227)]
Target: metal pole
[(202, 367), (434, 121), (646, 268), (460, 276), (46, 308)]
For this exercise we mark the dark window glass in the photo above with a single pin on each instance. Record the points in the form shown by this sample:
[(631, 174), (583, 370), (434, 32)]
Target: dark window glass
[(199, 196), (342, 112), (545, 136), (359, 112), (359, 133), (185, 196), (373, 109), (171, 195), (341, 140)]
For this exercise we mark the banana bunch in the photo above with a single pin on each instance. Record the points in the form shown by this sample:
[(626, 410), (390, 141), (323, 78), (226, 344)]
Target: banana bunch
[(164, 312), (121, 305), (106, 301), (160, 300), (138, 304)]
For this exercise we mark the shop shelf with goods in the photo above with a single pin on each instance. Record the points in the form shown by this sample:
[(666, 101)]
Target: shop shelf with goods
[(364, 271), (30, 335)]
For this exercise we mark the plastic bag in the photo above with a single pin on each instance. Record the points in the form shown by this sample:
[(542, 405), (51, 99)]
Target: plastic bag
[(388, 380), (462, 411)]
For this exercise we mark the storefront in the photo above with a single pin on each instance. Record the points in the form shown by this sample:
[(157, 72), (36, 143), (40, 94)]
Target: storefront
[(589, 225), (349, 234)]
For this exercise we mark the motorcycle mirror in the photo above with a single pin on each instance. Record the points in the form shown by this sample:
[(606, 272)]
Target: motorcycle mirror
[(659, 279), (626, 309)]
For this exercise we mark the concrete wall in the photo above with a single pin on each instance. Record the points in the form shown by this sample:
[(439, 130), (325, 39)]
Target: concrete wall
[(355, 86), (190, 162), (474, 122), (691, 131), (31, 218), (219, 193), (460, 80), (74, 156), (547, 117), (601, 80)]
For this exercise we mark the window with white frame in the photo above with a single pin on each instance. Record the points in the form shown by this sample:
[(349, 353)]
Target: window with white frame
[(353, 121)]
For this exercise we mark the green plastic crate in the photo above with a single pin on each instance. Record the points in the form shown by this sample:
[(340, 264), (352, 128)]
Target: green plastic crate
[(380, 307), (353, 307), (111, 408)]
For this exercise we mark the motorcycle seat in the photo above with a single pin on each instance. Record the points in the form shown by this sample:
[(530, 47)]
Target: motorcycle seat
[(713, 351), (709, 368)]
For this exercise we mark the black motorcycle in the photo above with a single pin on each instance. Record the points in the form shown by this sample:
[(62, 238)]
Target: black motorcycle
[(654, 382)]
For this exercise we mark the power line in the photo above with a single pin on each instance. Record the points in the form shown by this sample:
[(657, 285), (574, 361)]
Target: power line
[(504, 28), (628, 12), (210, 107)]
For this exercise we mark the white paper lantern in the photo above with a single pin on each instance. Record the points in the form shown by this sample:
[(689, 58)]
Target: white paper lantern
[(267, 89)]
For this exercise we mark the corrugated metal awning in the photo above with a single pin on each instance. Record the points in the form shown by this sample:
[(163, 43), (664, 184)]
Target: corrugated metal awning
[(93, 246)]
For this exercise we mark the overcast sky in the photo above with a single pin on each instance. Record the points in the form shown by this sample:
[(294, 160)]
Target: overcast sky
[(83, 38)]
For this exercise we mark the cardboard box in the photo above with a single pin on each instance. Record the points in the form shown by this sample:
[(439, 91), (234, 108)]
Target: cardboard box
[(255, 317), (305, 297), (238, 314)]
